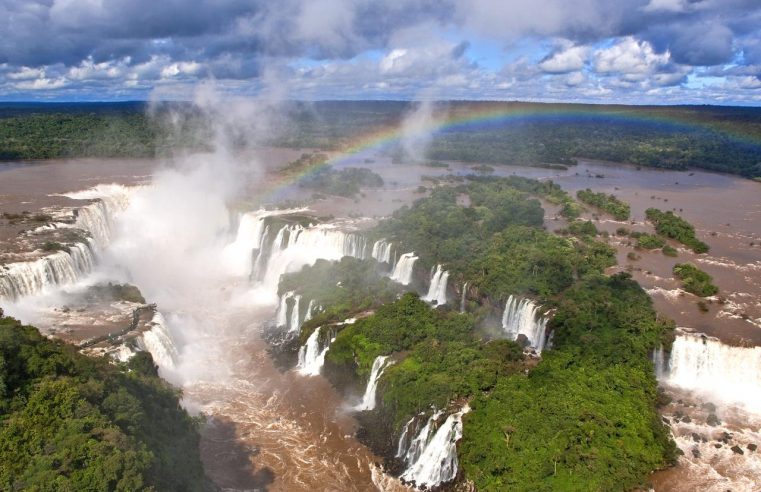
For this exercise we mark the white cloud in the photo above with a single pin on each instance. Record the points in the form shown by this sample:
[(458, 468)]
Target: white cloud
[(666, 6), (42, 84), (27, 73), (566, 60), (629, 56)]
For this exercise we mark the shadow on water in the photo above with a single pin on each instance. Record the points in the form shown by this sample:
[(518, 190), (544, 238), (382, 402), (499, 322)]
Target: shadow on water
[(228, 461)]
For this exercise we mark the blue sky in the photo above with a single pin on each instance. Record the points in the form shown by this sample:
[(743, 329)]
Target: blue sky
[(626, 51)]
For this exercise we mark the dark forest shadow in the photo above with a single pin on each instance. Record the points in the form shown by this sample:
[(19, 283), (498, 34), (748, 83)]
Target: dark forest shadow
[(227, 461)]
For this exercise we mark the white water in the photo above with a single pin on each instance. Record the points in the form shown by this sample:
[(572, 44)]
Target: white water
[(310, 310), (295, 322), (306, 245), (311, 355), (463, 298), (382, 251), (435, 462), (281, 317), (521, 318), (158, 341), (412, 450), (705, 365), (437, 292), (97, 217), (28, 278), (404, 268), (368, 399)]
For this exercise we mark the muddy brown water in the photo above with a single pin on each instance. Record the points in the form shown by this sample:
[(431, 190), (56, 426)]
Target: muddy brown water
[(279, 431)]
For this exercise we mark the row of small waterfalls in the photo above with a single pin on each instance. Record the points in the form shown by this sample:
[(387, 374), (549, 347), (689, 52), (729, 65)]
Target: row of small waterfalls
[(266, 246)]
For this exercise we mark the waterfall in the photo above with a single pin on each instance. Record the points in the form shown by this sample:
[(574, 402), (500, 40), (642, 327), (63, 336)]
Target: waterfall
[(244, 253), (368, 399), (520, 318), (463, 298), (27, 278), (412, 450), (65, 267), (281, 317), (295, 323), (382, 251), (660, 363), (437, 292), (158, 341), (97, 217), (311, 355), (403, 270), (704, 364), (432, 456), (310, 311), (295, 247)]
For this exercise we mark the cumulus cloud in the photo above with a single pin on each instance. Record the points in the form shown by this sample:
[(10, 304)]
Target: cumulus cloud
[(565, 60), (529, 49)]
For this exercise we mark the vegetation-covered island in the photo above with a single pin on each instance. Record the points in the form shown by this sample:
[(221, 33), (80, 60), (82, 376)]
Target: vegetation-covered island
[(575, 412)]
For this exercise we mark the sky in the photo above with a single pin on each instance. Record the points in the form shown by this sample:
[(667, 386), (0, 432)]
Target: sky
[(599, 51)]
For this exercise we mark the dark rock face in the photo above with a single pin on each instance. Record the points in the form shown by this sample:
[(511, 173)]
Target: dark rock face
[(713, 420), (737, 450), (752, 447), (696, 452)]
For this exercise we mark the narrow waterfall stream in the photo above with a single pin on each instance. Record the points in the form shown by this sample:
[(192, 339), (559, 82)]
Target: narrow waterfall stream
[(368, 399), (437, 292), (404, 269), (520, 317)]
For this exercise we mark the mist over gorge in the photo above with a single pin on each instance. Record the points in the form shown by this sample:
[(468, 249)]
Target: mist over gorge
[(338, 245)]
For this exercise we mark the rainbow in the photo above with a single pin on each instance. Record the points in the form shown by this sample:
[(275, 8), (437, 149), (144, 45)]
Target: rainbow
[(484, 115)]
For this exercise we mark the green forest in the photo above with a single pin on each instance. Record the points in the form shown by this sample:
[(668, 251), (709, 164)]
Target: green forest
[(583, 417), (72, 422), (722, 139)]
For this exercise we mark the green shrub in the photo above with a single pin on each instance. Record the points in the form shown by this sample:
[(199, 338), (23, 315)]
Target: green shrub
[(694, 280)]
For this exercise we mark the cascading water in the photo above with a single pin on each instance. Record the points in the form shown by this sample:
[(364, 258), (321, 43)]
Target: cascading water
[(382, 251), (660, 363), (520, 318), (32, 277), (368, 399), (64, 267), (705, 365), (437, 292), (281, 317), (404, 268), (312, 355), (411, 446), (432, 456), (242, 254), (97, 217), (158, 341), (295, 247), (295, 322), (310, 310), (463, 298)]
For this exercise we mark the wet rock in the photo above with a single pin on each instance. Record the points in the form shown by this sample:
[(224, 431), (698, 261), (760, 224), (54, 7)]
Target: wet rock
[(752, 447), (718, 446), (737, 450), (710, 407), (713, 420), (696, 452), (725, 437), (695, 437), (686, 419), (665, 420)]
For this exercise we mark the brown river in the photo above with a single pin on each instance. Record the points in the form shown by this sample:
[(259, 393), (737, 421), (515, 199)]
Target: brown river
[(273, 430)]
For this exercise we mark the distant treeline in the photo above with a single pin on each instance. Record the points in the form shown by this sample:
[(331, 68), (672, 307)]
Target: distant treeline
[(726, 139)]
